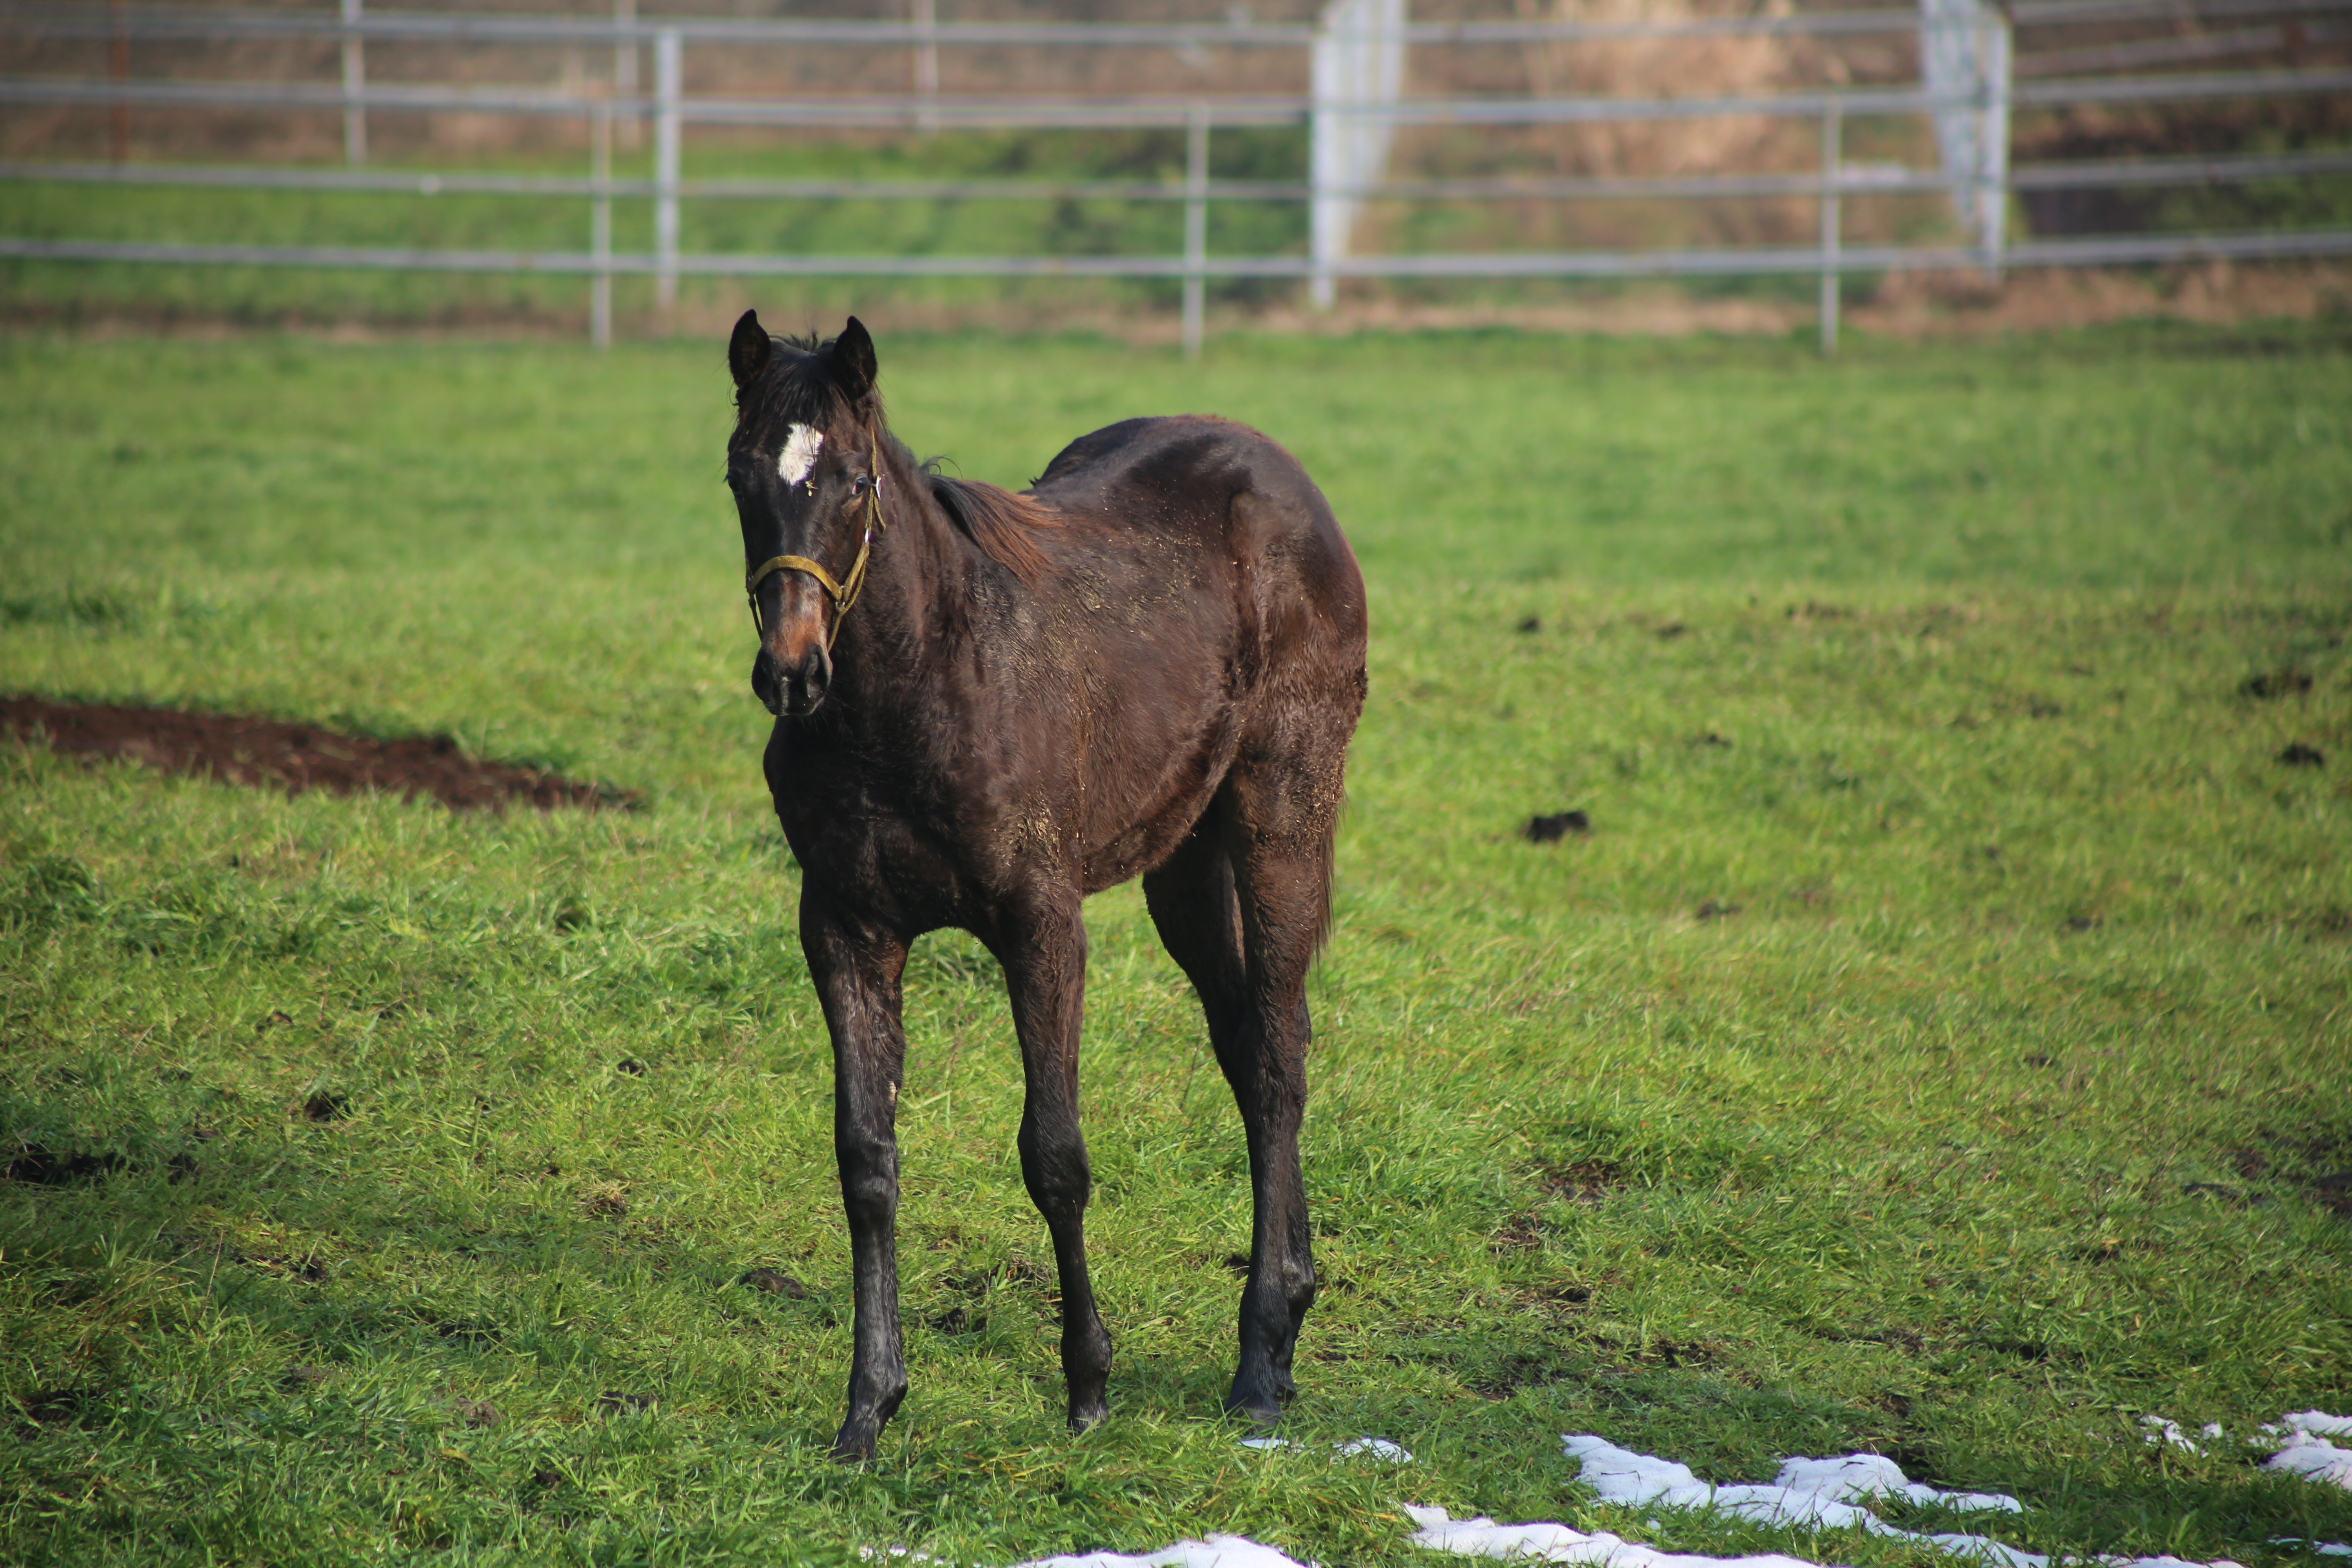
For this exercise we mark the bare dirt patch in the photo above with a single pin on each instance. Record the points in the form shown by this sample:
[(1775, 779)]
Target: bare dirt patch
[(264, 753)]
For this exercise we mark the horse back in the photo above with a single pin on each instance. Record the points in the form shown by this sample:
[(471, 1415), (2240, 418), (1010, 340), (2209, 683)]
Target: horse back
[(1213, 500), (1223, 615)]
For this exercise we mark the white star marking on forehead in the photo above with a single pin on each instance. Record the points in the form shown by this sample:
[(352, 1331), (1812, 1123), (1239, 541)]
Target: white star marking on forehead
[(801, 444)]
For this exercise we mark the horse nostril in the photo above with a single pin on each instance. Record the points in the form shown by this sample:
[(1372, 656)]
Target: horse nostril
[(765, 684), (807, 683)]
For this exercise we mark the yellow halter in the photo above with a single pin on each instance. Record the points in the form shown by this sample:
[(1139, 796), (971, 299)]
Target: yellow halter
[(843, 592)]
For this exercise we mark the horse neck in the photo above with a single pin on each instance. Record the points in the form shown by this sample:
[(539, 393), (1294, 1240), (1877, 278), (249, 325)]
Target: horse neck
[(917, 560)]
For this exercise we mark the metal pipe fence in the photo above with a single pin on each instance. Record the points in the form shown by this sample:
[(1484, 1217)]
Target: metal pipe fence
[(1975, 175)]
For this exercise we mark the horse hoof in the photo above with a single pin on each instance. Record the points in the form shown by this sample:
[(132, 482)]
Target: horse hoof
[(1262, 1419), (850, 1449), (1082, 1418)]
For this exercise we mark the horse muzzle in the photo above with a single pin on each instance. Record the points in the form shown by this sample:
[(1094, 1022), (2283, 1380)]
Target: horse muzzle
[(785, 686)]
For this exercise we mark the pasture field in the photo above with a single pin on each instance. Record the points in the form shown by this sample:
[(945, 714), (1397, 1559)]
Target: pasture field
[(1938, 1043)]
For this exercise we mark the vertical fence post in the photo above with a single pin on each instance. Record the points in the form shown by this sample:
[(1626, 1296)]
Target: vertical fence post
[(354, 80), (927, 63), (1196, 227), (1964, 60), (1832, 132), (1355, 71), (599, 229), (1993, 140), (118, 65), (625, 69), (666, 94)]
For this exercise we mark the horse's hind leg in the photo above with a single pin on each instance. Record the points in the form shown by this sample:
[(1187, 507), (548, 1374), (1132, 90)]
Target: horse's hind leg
[(1241, 916), (1045, 963)]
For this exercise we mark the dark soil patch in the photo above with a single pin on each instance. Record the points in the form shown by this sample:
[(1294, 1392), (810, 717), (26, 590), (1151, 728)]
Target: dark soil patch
[(52, 1168), (57, 1406), (2299, 755), (1586, 1181), (1552, 829), (325, 1107), (2335, 1192), (2228, 1194), (264, 753), (1523, 1233), (1021, 1271), (1516, 1372), (2035, 1350), (614, 1402)]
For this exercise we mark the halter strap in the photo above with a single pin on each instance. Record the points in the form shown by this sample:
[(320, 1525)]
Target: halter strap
[(844, 591)]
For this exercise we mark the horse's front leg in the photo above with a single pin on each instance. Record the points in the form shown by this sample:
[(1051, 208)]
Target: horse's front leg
[(857, 969), (1045, 959)]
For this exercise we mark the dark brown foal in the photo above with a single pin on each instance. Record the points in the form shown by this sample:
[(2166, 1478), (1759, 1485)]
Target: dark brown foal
[(989, 705)]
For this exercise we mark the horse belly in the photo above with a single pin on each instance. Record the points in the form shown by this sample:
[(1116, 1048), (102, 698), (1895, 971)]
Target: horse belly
[(1153, 761)]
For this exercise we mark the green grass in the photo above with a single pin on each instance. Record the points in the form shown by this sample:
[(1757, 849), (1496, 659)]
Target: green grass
[(2028, 936)]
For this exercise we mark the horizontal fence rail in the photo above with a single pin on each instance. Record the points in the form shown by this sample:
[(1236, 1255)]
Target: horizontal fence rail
[(1749, 261), (1143, 112), (85, 21), (1861, 179), (1979, 106)]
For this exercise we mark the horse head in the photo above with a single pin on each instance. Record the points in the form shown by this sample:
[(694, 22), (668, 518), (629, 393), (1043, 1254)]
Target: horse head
[(806, 467)]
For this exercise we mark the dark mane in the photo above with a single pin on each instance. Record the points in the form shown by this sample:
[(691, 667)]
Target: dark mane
[(998, 521)]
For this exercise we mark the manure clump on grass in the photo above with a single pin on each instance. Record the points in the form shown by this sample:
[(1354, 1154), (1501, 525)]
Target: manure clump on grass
[(775, 1282), (2287, 682), (1552, 829)]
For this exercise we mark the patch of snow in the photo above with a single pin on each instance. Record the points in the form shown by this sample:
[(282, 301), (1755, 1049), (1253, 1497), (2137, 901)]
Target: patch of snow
[(1372, 1448), (1355, 1447), (2306, 1450), (1559, 1544), (1825, 1494), (1217, 1552), (2314, 1459), (1821, 1494)]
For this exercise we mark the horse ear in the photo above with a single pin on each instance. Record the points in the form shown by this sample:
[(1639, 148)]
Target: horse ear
[(748, 350), (852, 360)]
